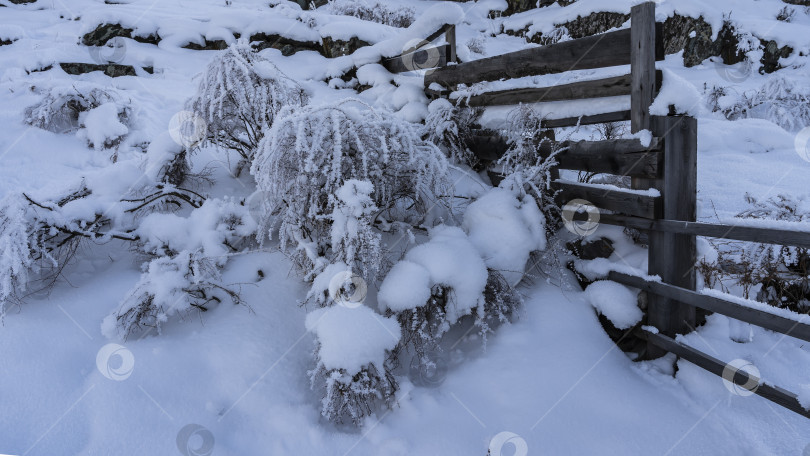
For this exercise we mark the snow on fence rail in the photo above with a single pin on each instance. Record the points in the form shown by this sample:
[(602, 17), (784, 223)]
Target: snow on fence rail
[(663, 201)]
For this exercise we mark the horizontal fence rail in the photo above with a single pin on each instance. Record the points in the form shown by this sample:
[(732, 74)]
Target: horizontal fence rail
[(627, 202), (721, 231), (598, 88), (731, 309), (741, 378), (598, 51)]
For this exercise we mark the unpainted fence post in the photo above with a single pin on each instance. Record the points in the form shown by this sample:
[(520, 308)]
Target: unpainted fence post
[(450, 37), (673, 256)]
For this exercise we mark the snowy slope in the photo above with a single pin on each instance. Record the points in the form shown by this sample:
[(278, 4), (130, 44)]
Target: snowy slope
[(552, 377)]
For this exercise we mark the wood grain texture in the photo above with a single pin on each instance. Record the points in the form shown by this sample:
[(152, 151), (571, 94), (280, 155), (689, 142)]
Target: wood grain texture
[(715, 230), (613, 200), (774, 394)]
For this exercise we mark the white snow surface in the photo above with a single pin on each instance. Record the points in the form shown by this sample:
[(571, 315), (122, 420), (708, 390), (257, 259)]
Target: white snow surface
[(553, 377), (615, 301), (352, 337)]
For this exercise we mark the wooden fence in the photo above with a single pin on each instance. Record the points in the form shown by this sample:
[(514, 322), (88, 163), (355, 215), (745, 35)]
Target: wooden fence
[(667, 164)]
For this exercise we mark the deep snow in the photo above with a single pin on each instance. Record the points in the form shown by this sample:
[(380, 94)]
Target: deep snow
[(553, 377)]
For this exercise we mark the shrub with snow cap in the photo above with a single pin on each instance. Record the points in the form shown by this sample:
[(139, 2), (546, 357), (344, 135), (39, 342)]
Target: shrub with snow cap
[(436, 284), (352, 347), (450, 127), (239, 97), (506, 227), (311, 153), (101, 112), (169, 286)]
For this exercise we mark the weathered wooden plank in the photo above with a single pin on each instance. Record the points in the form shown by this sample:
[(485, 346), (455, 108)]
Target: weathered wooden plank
[(642, 64), (450, 37), (623, 157), (614, 200), (598, 51), (774, 394), (608, 87), (422, 59), (618, 116), (731, 309), (722, 231), (673, 256)]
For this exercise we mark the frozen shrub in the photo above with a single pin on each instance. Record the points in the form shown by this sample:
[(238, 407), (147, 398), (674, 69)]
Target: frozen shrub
[(239, 97), (310, 153), (15, 252), (64, 109), (354, 240), (529, 161), (436, 284), (169, 286), (450, 127), (353, 345), (374, 11), (778, 100)]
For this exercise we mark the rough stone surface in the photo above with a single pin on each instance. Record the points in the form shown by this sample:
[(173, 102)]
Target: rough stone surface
[(112, 70), (337, 48), (287, 46), (105, 32)]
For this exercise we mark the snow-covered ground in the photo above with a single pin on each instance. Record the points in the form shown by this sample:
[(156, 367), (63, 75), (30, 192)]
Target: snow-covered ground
[(234, 380)]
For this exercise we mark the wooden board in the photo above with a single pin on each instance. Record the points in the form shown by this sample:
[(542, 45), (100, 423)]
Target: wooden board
[(618, 116), (613, 200), (722, 231), (623, 157), (728, 308), (774, 394), (598, 51)]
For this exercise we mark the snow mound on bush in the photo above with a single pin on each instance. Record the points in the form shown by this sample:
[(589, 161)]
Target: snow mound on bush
[(102, 126), (615, 301), (450, 260), (351, 338), (505, 230), (407, 286)]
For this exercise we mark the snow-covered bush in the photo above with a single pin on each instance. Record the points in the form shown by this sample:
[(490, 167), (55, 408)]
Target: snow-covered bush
[(435, 285), (169, 286), (529, 161), (311, 153), (354, 240), (239, 96), (353, 346), (505, 226), (102, 112), (15, 252), (778, 100), (380, 12), (450, 127)]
